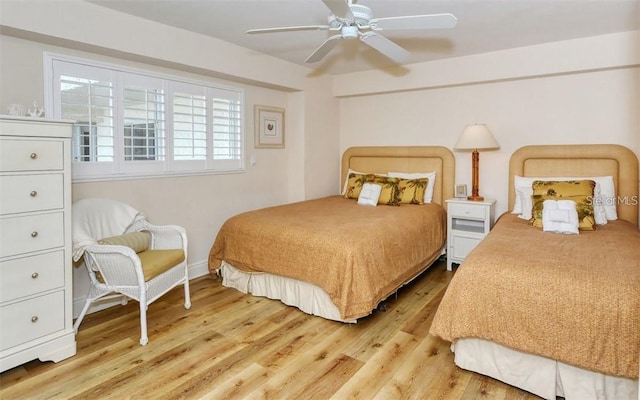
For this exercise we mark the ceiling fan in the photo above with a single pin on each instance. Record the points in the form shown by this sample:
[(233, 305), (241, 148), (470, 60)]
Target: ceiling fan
[(353, 20)]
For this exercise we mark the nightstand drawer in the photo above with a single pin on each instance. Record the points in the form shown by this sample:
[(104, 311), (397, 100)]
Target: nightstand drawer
[(471, 210)]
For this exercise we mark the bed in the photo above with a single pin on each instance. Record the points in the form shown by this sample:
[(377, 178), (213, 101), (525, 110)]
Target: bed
[(554, 314), (332, 257)]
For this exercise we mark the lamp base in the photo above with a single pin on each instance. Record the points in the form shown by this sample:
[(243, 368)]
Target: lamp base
[(475, 198)]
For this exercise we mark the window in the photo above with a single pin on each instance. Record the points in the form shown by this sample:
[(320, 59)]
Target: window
[(136, 123)]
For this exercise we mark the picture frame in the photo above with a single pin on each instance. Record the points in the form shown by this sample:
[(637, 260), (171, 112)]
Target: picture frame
[(269, 127), (461, 191)]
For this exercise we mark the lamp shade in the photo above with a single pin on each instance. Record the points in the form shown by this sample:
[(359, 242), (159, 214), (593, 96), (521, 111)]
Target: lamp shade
[(476, 137)]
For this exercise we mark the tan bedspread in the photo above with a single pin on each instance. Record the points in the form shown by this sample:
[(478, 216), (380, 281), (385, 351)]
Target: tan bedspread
[(570, 298), (359, 255)]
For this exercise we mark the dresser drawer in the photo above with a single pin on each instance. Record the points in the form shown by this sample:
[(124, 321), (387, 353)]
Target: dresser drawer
[(31, 155), (466, 211), (24, 193), (31, 233), (30, 275), (30, 319)]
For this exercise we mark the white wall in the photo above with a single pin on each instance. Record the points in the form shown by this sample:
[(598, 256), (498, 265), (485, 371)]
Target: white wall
[(573, 99), (307, 167)]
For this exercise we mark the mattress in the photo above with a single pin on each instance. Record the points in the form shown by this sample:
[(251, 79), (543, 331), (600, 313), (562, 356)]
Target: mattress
[(357, 255), (570, 298)]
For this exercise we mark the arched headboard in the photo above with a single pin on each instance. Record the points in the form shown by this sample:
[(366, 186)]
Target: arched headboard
[(582, 160), (383, 159)]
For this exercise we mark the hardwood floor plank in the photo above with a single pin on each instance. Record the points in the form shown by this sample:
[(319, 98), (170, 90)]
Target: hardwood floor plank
[(235, 346)]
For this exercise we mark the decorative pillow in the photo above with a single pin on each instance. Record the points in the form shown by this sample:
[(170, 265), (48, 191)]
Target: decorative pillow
[(431, 176), (579, 191), (604, 201), (369, 194), (412, 190), (390, 194), (137, 241), (353, 184), (351, 171)]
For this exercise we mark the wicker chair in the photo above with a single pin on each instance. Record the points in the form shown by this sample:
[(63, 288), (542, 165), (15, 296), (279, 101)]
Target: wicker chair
[(142, 262)]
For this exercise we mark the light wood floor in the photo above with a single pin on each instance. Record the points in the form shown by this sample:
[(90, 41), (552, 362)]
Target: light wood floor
[(230, 345)]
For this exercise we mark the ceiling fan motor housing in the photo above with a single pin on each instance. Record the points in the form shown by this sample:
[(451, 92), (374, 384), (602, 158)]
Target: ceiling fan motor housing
[(361, 17)]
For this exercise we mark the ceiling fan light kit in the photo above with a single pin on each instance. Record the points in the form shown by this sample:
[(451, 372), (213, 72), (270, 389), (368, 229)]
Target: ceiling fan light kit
[(356, 21)]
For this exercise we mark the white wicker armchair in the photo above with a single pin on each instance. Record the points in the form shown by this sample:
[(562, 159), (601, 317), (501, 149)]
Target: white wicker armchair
[(141, 266)]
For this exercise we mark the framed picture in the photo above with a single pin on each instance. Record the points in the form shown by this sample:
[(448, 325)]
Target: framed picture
[(461, 190), (269, 127)]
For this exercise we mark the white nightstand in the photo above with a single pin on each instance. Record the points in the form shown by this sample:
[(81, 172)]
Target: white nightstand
[(468, 222)]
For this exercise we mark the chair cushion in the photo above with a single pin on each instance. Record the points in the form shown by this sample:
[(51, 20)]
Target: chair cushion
[(137, 241), (155, 262)]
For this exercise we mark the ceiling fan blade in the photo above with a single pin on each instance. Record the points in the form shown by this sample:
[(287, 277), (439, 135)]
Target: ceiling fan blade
[(324, 49), (289, 29), (432, 21), (385, 46), (340, 8)]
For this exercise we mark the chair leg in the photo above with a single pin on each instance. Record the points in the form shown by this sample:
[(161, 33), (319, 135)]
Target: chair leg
[(76, 325), (187, 296), (144, 339)]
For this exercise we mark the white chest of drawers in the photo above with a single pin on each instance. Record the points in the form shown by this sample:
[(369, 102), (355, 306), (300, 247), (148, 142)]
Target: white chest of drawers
[(36, 318)]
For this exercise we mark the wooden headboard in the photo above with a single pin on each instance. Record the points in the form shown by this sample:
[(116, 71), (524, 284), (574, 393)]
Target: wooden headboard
[(582, 160), (380, 160)]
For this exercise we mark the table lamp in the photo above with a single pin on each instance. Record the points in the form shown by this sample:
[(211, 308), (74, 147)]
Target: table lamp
[(476, 137)]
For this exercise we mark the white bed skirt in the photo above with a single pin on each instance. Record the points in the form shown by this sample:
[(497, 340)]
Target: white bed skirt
[(308, 297), (539, 375)]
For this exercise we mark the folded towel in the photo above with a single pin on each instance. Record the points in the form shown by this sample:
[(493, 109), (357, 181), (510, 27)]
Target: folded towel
[(369, 194), (560, 216)]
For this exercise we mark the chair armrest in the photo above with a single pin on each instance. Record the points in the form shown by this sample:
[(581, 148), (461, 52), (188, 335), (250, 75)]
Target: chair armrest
[(118, 265), (163, 236)]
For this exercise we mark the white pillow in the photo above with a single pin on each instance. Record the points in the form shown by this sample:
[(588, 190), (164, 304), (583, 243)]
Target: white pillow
[(369, 194), (428, 192), (603, 207), (346, 178)]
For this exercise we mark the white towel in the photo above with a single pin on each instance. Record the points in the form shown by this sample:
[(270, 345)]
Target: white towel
[(560, 216), (95, 219), (369, 194)]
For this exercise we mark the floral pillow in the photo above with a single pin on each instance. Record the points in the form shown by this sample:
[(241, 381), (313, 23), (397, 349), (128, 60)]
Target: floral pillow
[(580, 191), (389, 193), (412, 190)]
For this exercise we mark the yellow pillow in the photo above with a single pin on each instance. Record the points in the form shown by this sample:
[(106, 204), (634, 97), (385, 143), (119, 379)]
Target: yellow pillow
[(412, 190), (354, 184), (390, 194), (579, 191), (137, 241)]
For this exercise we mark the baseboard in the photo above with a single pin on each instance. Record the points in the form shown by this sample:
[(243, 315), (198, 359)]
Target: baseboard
[(196, 270)]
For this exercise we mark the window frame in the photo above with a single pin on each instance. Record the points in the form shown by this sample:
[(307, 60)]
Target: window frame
[(120, 169)]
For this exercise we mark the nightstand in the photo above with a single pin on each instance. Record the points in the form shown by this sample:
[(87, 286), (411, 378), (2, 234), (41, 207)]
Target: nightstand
[(468, 222)]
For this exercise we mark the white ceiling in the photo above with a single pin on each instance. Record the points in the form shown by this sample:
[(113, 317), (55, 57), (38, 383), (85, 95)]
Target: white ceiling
[(483, 25)]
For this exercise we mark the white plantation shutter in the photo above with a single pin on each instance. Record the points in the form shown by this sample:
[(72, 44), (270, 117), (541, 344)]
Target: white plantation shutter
[(86, 95), (137, 123), (227, 129)]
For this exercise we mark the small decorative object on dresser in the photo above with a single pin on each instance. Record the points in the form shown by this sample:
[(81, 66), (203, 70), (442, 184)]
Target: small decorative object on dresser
[(35, 232), (461, 191), (468, 222)]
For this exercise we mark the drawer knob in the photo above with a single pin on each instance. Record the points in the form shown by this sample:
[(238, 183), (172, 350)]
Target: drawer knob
[(34, 156), (34, 275), (34, 234), (34, 318), (33, 193)]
